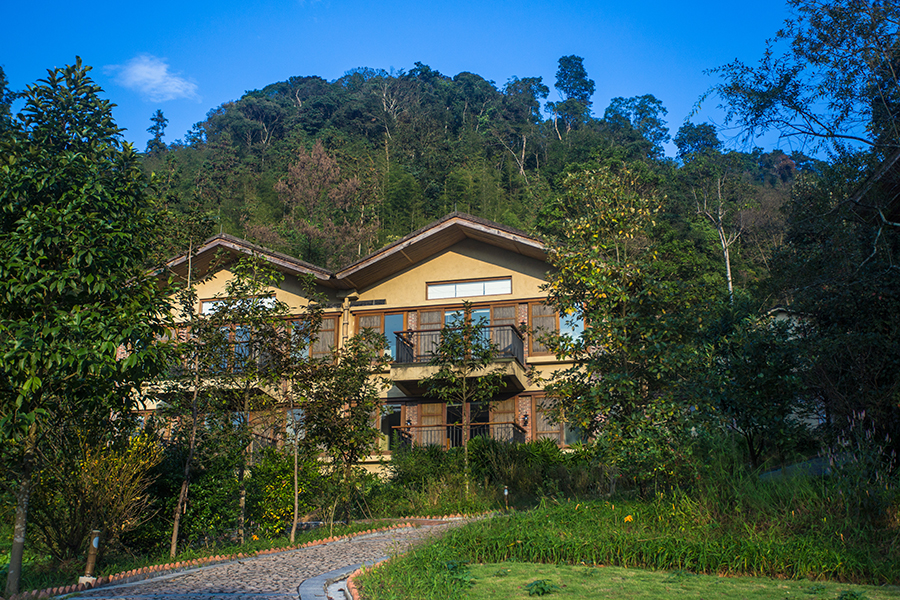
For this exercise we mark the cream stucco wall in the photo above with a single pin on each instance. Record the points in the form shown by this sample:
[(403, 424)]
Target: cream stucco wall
[(290, 291), (465, 260)]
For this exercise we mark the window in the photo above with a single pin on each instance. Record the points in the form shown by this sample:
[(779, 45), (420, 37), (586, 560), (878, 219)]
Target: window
[(489, 315), (499, 318), (326, 339), (391, 417), (293, 426), (386, 323), (210, 306), (468, 289), (544, 319), (545, 427)]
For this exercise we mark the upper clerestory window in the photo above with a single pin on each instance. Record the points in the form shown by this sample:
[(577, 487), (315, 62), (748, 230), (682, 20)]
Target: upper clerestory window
[(467, 289)]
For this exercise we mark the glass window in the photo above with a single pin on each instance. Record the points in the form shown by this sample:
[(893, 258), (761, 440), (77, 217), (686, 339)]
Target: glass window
[(388, 324), (392, 324), (466, 289), (294, 424), (326, 338), (544, 319), (391, 416), (210, 306), (571, 326)]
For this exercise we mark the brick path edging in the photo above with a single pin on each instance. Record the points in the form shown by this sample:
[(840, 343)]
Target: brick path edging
[(151, 571)]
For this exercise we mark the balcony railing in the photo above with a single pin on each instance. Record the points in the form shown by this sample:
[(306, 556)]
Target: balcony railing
[(451, 435), (419, 346)]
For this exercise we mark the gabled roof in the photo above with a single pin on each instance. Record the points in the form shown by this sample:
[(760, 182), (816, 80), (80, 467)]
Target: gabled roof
[(224, 249), (414, 248), (433, 239)]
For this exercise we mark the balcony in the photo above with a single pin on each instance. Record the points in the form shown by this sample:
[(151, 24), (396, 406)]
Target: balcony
[(415, 349), (452, 435)]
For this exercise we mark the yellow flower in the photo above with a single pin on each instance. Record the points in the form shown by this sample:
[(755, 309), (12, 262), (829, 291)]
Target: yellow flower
[(629, 519)]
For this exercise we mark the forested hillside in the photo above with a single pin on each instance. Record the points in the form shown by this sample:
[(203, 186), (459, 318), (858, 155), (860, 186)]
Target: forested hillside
[(329, 171)]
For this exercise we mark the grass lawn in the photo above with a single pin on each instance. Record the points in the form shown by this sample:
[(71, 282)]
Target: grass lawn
[(508, 580), (657, 548)]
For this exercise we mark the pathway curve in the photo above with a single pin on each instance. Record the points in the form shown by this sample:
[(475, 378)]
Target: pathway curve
[(272, 576)]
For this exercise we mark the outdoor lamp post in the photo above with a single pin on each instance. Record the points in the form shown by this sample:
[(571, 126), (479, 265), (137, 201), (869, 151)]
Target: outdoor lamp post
[(93, 548)]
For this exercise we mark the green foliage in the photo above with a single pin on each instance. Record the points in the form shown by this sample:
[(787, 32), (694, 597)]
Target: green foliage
[(92, 487), (837, 270), (696, 140), (607, 276), (156, 146), (541, 587), (270, 494), (835, 82), (749, 380), (337, 411), (76, 227), (467, 371), (645, 115), (537, 469), (864, 471)]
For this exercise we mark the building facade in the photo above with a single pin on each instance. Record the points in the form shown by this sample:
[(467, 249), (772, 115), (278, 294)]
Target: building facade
[(408, 291)]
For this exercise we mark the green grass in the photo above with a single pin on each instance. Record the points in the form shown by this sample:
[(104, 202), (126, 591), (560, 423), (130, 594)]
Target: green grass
[(510, 580), (781, 540)]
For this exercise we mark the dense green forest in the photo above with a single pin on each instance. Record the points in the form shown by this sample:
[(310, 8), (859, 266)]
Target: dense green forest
[(329, 171)]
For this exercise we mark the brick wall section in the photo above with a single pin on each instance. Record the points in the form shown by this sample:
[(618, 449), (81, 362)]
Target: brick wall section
[(522, 317), (523, 407)]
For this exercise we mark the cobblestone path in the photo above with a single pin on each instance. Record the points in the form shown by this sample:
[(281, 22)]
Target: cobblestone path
[(269, 577)]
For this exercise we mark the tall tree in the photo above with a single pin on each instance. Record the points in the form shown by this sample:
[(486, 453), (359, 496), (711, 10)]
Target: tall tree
[(695, 140), (830, 78), (645, 115), (720, 194), (638, 342), (834, 84), (338, 408), (467, 373), (75, 230), (576, 90), (6, 98), (155, 145), (325, 208)]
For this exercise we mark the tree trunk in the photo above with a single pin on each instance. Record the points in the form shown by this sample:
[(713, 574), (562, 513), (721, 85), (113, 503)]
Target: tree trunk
[(296, 490), (245, 465), (23, 495), (186, 480)]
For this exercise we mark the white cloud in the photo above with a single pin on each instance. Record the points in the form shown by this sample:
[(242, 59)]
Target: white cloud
[(150, 76)]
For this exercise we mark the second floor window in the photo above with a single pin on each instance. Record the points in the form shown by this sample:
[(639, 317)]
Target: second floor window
[(469, 289), (386, 323), (544, 319)]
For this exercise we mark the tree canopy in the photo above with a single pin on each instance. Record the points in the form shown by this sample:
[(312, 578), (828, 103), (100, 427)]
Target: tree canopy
[(76, 226)]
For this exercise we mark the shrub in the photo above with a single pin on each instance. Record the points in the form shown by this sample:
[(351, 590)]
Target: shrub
[(93, 487), (270, 490)]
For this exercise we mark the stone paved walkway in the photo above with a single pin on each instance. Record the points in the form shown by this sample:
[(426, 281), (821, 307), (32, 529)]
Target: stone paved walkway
[(269, 577)]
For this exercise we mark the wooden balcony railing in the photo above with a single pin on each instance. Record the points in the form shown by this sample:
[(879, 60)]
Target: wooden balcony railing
[(418, 346), (452, 435)]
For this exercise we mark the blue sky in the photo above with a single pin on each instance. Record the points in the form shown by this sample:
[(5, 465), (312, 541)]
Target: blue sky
[(188, 57)]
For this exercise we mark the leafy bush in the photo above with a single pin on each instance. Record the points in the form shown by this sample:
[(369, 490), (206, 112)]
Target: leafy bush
[(270, 490), (538, 468), (90, 487)]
